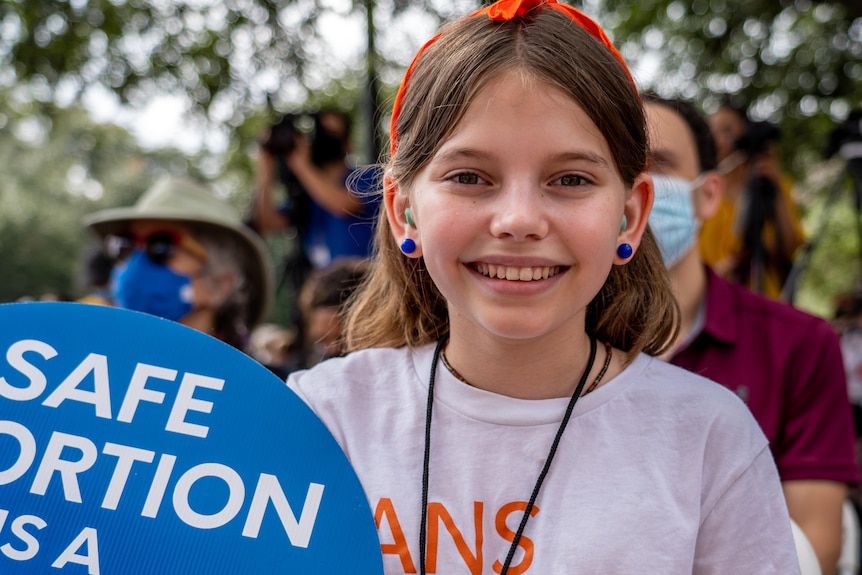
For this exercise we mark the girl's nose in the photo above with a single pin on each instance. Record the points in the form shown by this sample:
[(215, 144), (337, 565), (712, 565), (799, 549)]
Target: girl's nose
[(520, 212)]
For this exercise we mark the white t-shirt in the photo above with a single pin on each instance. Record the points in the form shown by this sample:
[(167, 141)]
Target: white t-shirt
[(659, 471)]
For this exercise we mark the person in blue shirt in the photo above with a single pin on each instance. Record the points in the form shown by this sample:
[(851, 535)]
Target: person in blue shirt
[(329, 204), (328, 208)]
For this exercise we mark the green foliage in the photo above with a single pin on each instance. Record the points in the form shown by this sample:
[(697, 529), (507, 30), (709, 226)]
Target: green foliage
[(135, 47), (58, 167), (795, 63), (232, 58), (835, 230)]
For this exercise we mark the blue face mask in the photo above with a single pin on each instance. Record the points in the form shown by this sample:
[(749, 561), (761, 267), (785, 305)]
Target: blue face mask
[(672, 218), (143, 285)]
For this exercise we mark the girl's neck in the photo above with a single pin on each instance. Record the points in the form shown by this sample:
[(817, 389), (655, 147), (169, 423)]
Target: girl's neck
[(532, 370)]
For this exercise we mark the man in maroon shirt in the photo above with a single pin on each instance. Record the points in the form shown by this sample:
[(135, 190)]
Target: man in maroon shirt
[(784, 364)]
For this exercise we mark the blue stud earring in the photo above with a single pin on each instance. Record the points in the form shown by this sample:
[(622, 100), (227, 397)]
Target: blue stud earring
[(408, 246), (408, 215), (625, 251)]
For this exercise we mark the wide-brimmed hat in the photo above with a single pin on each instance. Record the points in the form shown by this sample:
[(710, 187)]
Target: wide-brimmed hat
[(184, 200)]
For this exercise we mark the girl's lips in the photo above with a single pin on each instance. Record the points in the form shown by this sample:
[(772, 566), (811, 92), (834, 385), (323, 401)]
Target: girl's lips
[(516, 273)]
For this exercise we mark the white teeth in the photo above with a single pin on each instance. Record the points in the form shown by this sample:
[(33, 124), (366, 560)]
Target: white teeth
[(515, 273)]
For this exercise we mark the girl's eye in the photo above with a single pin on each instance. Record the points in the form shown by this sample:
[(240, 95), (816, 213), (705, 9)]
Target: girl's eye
[(467, 178), (573, 180)]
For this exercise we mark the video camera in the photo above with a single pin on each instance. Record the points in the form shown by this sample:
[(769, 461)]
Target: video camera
[(753, 143), (282, 136), (326, 148), (279, 141)]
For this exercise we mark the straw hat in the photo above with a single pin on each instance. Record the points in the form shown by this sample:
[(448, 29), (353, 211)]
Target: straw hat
[(184, 200)]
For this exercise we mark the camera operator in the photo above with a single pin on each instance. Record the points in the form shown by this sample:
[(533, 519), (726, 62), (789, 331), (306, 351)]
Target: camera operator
[(328, 207), (330, 220), (754, 235)]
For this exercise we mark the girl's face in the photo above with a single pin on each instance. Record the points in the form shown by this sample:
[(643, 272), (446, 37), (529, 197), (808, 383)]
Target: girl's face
[(518, 213)]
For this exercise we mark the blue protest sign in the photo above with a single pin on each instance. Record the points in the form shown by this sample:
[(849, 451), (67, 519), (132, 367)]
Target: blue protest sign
[(130, 444)]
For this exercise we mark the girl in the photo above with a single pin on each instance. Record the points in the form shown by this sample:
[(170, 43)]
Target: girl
[(491, 431)]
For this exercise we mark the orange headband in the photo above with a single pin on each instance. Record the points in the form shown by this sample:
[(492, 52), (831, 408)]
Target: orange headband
[(503, 10)]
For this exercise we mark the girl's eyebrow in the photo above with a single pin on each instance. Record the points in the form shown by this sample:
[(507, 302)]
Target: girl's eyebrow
[(461, 153), (591, 157), (470, 153)]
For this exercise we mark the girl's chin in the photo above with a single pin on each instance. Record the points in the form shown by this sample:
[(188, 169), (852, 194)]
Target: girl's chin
[(515, 329)]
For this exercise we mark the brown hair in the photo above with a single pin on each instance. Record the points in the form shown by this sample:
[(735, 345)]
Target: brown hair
[(400, 304)]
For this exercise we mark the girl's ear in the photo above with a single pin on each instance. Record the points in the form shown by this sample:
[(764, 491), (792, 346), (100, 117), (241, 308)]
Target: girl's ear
[(396, 200), (636, 211)]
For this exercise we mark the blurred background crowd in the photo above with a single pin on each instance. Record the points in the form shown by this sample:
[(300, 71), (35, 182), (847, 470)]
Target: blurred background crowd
[(99, 100)]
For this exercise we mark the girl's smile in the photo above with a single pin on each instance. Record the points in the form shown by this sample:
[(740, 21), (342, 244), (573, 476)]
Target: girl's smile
[(515, 273)]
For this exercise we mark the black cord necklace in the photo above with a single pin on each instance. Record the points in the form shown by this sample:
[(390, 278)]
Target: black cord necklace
[(423, 527)]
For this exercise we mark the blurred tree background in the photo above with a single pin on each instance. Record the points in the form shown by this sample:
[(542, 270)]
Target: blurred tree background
[(238, 63), (794, 63)]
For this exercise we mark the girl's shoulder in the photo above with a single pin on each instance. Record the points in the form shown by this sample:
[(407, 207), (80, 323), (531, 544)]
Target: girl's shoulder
[(670, 390), (359, 372), (666, 379)]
